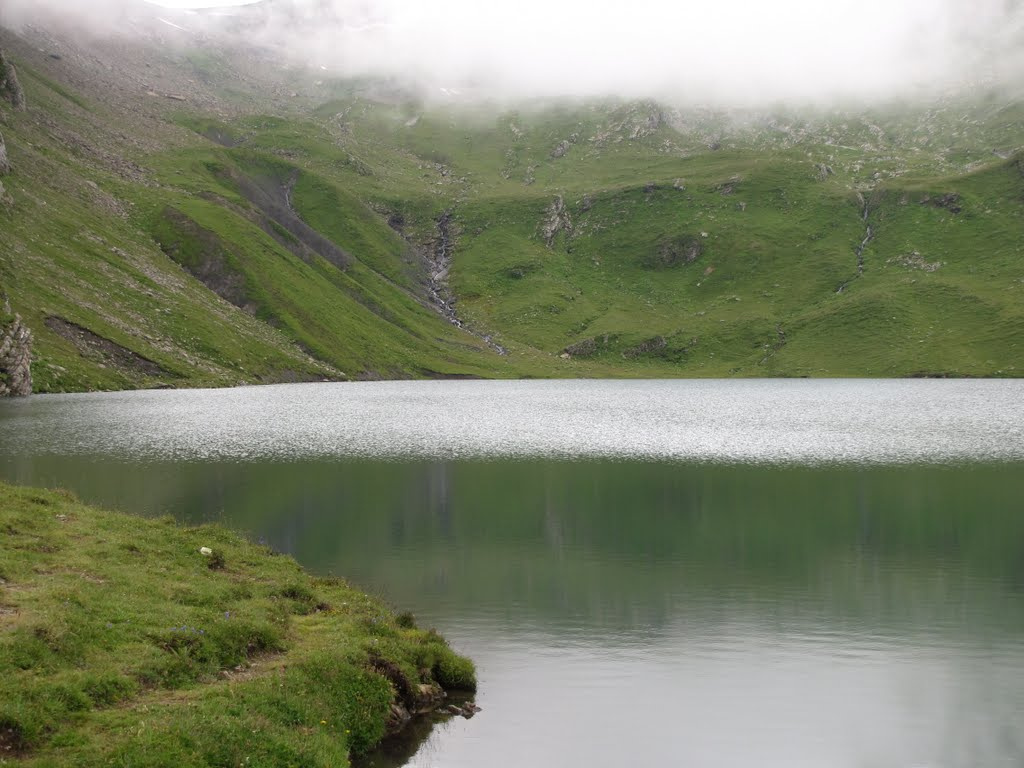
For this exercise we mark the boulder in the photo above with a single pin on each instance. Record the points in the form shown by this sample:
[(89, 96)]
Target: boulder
[(15, 355), (650, 347), (10, 88), (5, 164), (583, 348), (426, 698), (397, 718), (467, 710)]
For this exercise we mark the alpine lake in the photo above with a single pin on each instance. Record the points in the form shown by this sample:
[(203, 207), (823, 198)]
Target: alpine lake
[(653, 573)]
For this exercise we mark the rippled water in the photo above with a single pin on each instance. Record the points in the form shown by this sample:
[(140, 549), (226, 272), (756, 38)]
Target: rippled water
[(791, 573), (739, 421)]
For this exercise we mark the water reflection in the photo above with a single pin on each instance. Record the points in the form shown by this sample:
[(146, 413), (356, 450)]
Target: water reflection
[(671, 614), (646, 612)]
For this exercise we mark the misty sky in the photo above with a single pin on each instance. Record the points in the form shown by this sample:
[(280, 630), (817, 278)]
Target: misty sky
[(728, 51), (198, 3)]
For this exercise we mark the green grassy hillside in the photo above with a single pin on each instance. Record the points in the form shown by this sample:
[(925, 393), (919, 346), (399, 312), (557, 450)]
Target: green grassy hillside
[(293, 229)]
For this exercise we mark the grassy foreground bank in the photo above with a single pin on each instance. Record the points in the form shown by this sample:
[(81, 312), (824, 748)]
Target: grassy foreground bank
[(122, 643)]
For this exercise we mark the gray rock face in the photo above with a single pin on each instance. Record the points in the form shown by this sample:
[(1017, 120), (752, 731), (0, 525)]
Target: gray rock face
[(650, 347), (15, 357), (5, 164), (644, 121), (583, 348), (10, 88), (556, 220)]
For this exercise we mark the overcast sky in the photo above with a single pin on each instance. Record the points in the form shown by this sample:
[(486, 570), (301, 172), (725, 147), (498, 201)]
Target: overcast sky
[(198, 3), (730, 51)]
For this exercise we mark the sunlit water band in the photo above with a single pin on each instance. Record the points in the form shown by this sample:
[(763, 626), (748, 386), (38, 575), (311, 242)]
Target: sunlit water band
[(756, 421)]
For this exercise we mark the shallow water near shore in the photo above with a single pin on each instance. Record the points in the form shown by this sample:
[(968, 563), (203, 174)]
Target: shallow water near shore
[(771, 573)]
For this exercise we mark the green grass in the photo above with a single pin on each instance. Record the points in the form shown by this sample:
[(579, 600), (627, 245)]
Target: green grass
[(122, 643), (769, 241)]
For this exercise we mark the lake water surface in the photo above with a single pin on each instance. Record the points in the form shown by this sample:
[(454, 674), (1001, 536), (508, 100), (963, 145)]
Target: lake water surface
[(754, 573)]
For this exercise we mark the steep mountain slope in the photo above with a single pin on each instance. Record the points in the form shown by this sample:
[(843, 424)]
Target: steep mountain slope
[(181, 213), (142, 254)]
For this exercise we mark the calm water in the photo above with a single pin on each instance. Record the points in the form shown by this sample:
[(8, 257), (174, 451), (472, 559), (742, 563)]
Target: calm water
[(780, 573)]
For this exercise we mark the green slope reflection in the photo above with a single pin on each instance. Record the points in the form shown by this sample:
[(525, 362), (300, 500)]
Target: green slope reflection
[(605, 543), (660, 614)]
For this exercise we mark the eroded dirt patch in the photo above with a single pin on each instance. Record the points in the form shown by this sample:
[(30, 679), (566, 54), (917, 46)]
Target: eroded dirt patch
[(94, 347), (273, 198), (205, 256)]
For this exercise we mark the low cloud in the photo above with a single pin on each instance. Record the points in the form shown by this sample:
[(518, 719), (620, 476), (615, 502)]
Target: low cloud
[(726, 51)]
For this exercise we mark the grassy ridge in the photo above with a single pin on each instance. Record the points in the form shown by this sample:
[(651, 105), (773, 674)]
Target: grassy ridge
[(72, 250), (121, 643), (301, 241)]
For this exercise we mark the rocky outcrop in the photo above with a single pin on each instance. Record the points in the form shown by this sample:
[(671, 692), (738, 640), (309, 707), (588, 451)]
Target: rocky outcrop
[(727, 188), (588, 347), (950, 202), (467, 710), (673, 252), (5, 168), (584, 348), (10, 88), (823, 171), (5, 164), (649, 347), (914, 260), (556, 219), (15, 355), (644, 120)]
